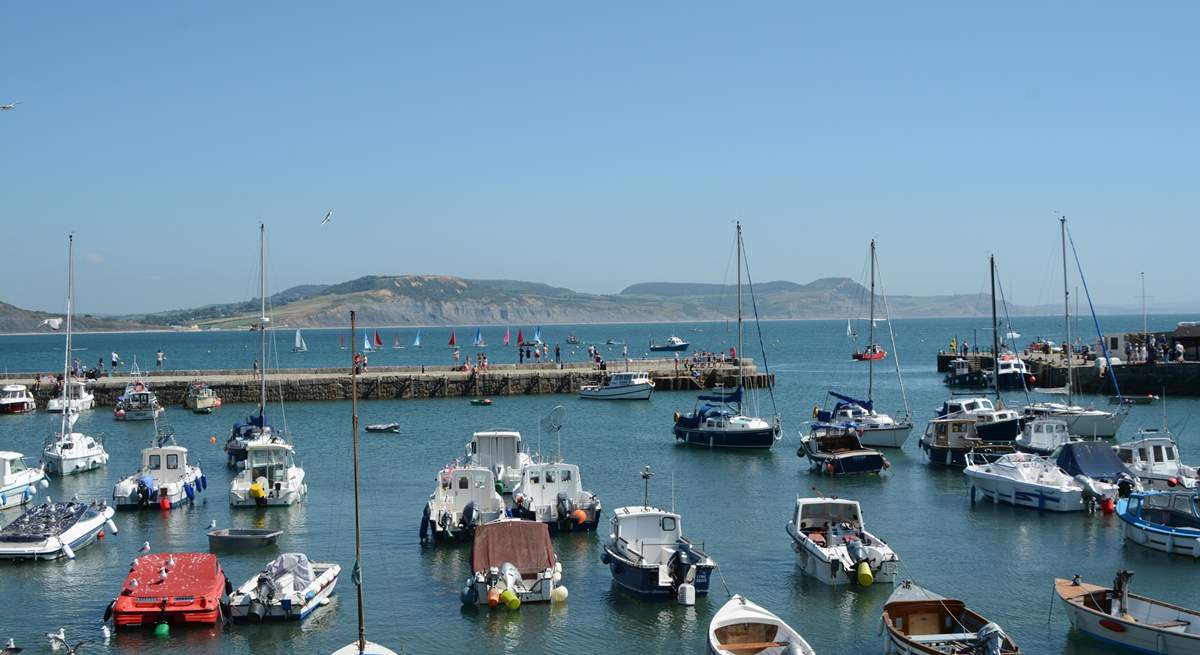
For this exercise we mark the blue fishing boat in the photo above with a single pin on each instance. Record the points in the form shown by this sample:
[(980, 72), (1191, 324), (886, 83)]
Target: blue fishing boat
[(672, 344), (1167, 521)]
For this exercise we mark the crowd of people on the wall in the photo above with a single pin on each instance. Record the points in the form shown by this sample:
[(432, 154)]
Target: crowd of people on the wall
[(1153, 351)]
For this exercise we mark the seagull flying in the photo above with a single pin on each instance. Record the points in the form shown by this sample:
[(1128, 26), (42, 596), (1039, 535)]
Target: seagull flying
[(328, 217), (9, 107), (52, 323), (57, 639)]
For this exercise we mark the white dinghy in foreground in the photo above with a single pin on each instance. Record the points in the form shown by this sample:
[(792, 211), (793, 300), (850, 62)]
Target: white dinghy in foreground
[(1135, 622), (743, 628)]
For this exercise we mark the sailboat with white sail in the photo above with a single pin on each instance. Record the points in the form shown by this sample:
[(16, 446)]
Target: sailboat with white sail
[(367, 343), (717, 421), (359, 646), (1081, 421), (875, 429), (71, 452), (299, 346), (417, 340)]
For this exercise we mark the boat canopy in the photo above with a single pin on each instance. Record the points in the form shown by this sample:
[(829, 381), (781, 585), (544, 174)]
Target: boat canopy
[(723, 396), (296, 564), (1095, 459), (524, 544), (843, 402)]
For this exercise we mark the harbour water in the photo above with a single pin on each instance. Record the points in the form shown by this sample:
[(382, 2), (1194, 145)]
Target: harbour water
[(999, 559)]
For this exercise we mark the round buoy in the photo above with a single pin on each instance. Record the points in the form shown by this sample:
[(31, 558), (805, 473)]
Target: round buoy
[(162, 630), (1108, 506), (212, 439), (100, 535), (580, 516), (559, 595), (164, 503)]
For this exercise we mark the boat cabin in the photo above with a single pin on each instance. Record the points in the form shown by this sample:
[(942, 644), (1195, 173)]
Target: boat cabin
[(496, 448), (543, 482), (1150, 453), (648, 534), (966, 406), (1012, 366), (627, 379), (11, 466), (1172, 509), (461, 486), (952, 432), (74, 390), (823, 519), (1046, 433), (13, 392), (269, 460), (834, 438), (165, 463)]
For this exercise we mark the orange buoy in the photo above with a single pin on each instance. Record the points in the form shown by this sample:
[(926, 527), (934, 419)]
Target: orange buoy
[(1108, 506), (580, 516), (212, 439), (164, 503), (100, 534), (493, 597)]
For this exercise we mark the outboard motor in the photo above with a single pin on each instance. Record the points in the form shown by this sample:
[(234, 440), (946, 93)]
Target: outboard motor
[(1124, 487), (143, 493), (264, 591), (565, 505), (862, 562), (990, 639), (469, 515), (425, 525)]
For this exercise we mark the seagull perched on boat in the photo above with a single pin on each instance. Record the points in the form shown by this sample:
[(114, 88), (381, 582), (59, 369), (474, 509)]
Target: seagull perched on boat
[(52, 323), (328, 217), (11, 648), (212, 525), (145, 547)]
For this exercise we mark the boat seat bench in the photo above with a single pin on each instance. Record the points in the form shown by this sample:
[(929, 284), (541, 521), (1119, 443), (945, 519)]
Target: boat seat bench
[(753, 645), (1171, 624), (939, 638)]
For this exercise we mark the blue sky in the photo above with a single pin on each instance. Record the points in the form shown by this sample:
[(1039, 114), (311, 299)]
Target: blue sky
[(595, 146)]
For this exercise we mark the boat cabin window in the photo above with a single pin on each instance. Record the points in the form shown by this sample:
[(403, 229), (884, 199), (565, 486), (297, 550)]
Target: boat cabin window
[(172, 461), (464, 483), (667, 524), (549, 477), (1135, 506), (1143, 454), (971, 406), (474, 447), (565, 475), (1183, 503), (16, 465), (155, 462), (534, 477), (1158, 453), (1125, 455), (1170, 453), (1158, 501)]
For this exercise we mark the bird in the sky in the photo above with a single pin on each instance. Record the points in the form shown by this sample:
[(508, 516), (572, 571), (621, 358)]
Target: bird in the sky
[(52, 323), (328, 217), (9, 107)]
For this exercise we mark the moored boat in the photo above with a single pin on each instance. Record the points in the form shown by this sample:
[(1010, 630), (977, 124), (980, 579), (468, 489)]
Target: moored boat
[(1154, 458), (672, 344), (948, 440), (502, 452), (18, 481), (875, 429), (289, 588), (512, 563), (1096, 468), (16, 399), (269, 477), (620, 386), (53, 530), (138, 403), (992, 423), (242, 538), (74, 396), (717, 422), (171, 588), (918, 621), (383, 427), (1167, 521), (1025, 480), (1119, 618), (836, 450), (833, 546), (742, 628), (552, 493), (166, 479), (201, 398), (464, 498), (70, 452), (1043, 436)]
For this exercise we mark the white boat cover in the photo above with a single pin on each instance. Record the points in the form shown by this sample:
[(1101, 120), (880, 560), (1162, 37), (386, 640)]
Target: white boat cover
[(296, 564)]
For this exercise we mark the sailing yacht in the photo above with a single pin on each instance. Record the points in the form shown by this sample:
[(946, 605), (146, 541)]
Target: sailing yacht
[(71, 452), (75, 396), (719, 421), (267, 473), (876, 430), (479, 341), (299, 346), (359, 646), (1081, 421), (417, 340)]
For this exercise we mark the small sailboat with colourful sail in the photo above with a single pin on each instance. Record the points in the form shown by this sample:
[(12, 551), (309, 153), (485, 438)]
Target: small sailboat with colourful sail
[(417, 340), (479, 341), (396, 342), (367, 343), (520, 337), (299, 346), (453, 339), (378, 341), (341, 342), (507, 335)]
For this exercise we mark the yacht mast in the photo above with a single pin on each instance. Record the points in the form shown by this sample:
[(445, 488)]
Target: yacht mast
[(1066, 308), (1145, 330), (995, 331), (357, 575), (67, 350), (871, 330), (739, 313), (262, 324)]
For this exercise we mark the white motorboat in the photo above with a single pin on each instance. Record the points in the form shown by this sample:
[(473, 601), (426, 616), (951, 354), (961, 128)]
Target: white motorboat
[(1025, 480), (552, 493), (165, 480), (1115, 616), (53, 530), (138, 403), (16, 399), (269, 477), (72, 452), (18, 482), (464, 498), (512, 563), (742, 628), (920, 622), (1154, 459), (1167, 521), (75, 396), (834, 547), (289, 588), (620, 386), (502, 453), (1081, 421), (1043, 436), (201, 398)]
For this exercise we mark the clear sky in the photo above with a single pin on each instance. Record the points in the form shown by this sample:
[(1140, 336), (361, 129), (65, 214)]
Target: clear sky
[(594, 146)]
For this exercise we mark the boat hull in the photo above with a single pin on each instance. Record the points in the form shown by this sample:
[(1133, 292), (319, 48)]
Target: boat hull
[(854, 463), (239, 608), (957, 457), (889, 437), (748, 439), (669, 348), (834, 572), (78, 536), (626, 392), (59, 405), (1173, 542), (1131, 635), (63, 466), (1000, 489), (644, 580), (137, 414), (19, 407)]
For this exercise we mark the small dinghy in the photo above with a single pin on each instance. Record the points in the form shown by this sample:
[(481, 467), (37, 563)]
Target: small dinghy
[(1167, 521), (384, 427), (513, 562), (481, 402), (172, 588), (289, 588), (1118, 617), (743, 628), (242, 538), (920, 621), (53, 530)]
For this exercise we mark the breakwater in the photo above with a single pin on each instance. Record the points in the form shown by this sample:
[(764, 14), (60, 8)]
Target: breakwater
[(242, 386)]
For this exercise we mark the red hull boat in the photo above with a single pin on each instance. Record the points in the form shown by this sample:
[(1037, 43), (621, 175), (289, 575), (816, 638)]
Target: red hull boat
[(191, 592)]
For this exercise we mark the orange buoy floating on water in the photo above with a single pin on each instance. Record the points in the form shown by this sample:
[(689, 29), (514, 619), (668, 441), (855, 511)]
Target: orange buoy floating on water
[(580, 516), (164, 503), (212, 439)]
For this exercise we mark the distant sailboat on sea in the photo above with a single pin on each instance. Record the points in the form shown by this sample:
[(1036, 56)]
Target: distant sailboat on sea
[(453, 339), (341, 342), (417, 340), (367, 343), (396, 342), (299, 346), (850, 330), (378, 341), (537, 336), (507, 335), (520, 338), (479, 342)]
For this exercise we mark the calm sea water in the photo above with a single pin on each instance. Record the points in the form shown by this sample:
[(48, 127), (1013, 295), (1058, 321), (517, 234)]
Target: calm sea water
[(999, 559)]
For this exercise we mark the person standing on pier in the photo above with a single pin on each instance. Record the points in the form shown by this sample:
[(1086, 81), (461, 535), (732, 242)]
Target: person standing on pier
[(255, 368), (116, 359), (159, 357), (100, 368), (520, 355), (557, 354)]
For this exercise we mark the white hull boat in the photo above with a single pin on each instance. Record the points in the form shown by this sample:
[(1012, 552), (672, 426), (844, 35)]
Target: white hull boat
[(1166, 521), (1025, 480), (1081, 421), (501, 452), (16, 399), (621, 386), (513, 563), (832, 546), (742, 628), (289, 588), (552, 493), (269, 477), (1042, 436), (18, 482), (1154, 459), (72, 452), (54, 530), (165, 481), (1135, 622), (75, 397), (464, 499)]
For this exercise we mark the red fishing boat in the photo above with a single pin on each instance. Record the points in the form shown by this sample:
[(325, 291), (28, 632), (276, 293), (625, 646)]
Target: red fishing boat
[(173, 588), (873, 353)]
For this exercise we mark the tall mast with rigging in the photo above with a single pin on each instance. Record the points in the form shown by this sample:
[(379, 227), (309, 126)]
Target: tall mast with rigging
[(871, 330), (995, 331), (263, 319), (739, 315), (1066, 309), (70, 311), (357, 575)]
